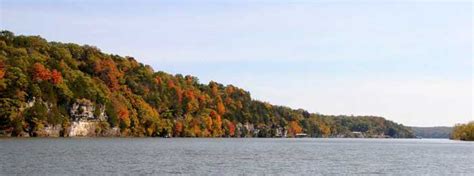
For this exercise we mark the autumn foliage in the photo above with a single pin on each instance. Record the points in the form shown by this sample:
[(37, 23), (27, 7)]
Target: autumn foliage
[(41, 73), (2, 69), (217, 124), (107, 70), (139, 101), (178, 128), (220, 107), (231, 128), (294, 128), (463, 132), (56, 77)]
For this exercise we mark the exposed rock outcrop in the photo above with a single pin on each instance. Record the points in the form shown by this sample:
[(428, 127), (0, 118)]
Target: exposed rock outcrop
[(50, 131), (88, 120), (84, 110), (83, 128), (91, 128)]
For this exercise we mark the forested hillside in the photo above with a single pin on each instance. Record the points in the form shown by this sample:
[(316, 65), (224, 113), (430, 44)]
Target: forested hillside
[(432, 132), (47, 86), (464, 132)]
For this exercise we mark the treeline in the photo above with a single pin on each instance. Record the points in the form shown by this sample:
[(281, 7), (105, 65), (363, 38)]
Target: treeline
[(41, 80), (463, 132), (432, 132)]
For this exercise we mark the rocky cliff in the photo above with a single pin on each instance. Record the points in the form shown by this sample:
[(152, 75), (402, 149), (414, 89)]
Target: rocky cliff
[(85, 120)]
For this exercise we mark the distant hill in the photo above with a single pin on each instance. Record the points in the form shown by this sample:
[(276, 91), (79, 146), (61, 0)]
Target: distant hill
[(432, 132), (65, 89)]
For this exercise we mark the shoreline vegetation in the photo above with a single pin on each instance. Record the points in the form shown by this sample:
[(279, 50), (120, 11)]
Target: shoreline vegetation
[(463, 132), (433, 132), (53, 89)]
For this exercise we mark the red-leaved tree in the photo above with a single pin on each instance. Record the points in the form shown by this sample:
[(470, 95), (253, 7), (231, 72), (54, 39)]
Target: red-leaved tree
[(56, 77)]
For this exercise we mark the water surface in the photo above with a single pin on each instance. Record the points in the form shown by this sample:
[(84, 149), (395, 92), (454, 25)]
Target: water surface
[(249, 156)]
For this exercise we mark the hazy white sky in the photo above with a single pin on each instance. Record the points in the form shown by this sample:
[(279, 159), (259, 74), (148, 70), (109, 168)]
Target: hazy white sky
[(409, 61)]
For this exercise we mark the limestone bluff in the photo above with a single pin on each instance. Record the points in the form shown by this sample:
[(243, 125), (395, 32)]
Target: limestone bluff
[(84, 121)]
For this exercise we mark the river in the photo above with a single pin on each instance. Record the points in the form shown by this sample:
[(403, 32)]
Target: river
[(234, 156)]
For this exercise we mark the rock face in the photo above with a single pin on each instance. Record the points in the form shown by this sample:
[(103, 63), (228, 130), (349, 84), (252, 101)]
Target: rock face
[(83, 110), (90, 129), (50, 131), (111, 132), (86, 120), (83, 128), (281, 132), (31, 102)]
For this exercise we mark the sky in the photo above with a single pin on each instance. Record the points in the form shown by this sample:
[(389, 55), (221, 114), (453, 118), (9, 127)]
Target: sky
[(408, 61)]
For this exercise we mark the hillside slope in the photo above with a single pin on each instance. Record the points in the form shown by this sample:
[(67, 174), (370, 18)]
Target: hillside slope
[(63, 89), (464, 132), (432, 132)]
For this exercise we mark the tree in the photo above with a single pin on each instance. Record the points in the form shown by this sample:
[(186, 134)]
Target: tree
[(229, 128), (214, 89), (220, 107), (192, 105), (208, 125), (36, 116), (2, 69), (294, 128), (40, 73), (16, 84), (122, 113), (8, 112), (107, 70), (158, 81), (178, 128), (216, 124), (463, 132), (56, 77)]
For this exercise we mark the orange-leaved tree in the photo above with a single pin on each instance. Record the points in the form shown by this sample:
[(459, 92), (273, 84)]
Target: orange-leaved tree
[(107, 71), (41, 73), (56, 77), (216, 124), (294, 128), (178, 128), (2, 69)]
